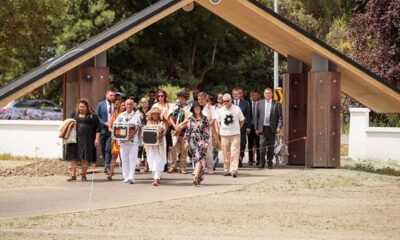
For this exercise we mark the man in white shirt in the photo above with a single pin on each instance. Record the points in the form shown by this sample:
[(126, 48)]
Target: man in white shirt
[(104, 110), (129, 148), (230, 119), (269, 123)]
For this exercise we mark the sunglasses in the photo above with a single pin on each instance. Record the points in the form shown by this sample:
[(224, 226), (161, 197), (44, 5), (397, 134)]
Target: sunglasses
[(160, 95), (226, 101), (143, 102)]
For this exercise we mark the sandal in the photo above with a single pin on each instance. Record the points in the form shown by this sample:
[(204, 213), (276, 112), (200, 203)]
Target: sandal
[(155, 183), (84, 179), (196, 181), (71, 179), (109, 177)]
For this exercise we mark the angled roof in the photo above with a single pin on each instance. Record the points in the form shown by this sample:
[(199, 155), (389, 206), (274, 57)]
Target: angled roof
[(252, 18)]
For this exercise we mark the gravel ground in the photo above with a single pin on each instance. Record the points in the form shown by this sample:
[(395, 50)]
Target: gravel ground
[(311, 204)]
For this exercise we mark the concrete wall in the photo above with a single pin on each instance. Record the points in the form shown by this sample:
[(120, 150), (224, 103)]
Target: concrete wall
[(372, 143), (30, 138)]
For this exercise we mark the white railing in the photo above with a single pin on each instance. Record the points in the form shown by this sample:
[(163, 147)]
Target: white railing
[(372, 143), (30, 138)]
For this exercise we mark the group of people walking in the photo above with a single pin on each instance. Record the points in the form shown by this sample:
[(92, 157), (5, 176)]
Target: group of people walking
[(198, 128)]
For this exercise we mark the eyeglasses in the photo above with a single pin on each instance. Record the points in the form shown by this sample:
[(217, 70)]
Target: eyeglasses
[(160, 95)]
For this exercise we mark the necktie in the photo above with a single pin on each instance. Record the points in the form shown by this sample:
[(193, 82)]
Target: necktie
[(110, 110), (254, 109)]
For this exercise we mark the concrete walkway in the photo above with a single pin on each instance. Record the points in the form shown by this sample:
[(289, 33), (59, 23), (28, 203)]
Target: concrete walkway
[(75, 197)]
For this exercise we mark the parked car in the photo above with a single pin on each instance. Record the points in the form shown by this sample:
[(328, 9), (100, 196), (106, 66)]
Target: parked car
[(32, 109)]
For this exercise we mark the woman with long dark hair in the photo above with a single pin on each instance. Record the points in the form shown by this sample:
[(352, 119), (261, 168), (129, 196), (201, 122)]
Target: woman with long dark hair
[(87, 138), (197, 139), (164, 106), (119, 106)]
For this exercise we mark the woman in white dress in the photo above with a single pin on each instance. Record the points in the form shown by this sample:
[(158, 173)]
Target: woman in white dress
[(156, 154), (164, 106)]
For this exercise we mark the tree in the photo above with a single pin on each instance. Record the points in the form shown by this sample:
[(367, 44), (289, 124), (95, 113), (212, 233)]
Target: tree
[(374, 33), (375, 37), (26, 34)]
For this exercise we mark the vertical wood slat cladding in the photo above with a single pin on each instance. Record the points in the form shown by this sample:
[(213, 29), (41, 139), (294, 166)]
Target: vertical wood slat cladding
[(323, 114), (93, 84), (295, 115)]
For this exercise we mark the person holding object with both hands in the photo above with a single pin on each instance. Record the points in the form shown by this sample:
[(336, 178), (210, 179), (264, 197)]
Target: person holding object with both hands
[(197, 139), (230, 120), (129, 148), (156, 154)]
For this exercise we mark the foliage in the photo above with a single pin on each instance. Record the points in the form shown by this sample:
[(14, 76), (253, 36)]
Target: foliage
[(172, 91), (369, 167), (26, 34), (193, 49), (375, 36)]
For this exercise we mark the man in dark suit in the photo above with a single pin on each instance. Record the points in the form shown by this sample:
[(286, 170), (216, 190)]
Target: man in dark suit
[(245, 129), (269, 123), (104, 110), (253, 138)]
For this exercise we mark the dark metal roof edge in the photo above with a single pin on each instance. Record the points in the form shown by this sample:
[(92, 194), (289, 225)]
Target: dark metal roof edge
[(325, 45), (98, 39)]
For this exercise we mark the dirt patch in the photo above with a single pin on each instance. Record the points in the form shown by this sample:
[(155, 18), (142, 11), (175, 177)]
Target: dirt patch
[(311, 204), (42, 168)]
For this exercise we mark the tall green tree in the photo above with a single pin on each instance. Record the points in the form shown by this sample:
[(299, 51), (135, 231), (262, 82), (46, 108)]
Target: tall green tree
[(26, 34)]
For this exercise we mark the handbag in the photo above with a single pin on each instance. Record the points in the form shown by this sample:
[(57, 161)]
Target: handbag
[(72, 136)]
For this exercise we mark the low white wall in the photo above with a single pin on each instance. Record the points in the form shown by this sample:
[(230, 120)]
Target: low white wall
[(30, 138), (372, 143)]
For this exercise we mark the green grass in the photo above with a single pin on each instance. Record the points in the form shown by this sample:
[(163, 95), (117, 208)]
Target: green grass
[(8, 156), (344, 150), (369, 167)]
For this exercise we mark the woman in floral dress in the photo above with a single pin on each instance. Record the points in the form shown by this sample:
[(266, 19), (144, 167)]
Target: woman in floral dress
[(197, 138)]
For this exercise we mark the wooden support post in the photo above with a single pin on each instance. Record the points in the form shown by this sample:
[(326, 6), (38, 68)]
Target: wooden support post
[(295, 111), (323, 117), (89, 80)]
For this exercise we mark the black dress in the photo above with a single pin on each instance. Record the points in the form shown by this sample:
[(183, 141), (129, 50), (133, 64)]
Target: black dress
[(84, 148)]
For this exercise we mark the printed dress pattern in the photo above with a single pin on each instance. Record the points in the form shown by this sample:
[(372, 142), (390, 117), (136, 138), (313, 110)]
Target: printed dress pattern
[(197, 135)]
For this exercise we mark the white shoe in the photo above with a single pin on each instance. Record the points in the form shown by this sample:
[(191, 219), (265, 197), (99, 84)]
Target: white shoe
[(131, 182), (125, 180)]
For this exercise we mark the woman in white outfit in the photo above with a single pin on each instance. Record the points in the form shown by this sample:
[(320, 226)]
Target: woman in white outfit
[(129, 148), (156, 154)]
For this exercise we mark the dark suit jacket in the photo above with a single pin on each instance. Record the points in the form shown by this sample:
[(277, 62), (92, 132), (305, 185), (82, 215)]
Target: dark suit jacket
[(245, 107), (251, 113), (102, 112), (276, 117)]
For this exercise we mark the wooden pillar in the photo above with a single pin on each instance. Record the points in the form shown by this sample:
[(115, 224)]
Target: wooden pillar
[(89, 80), (323, 115), (295, 111)]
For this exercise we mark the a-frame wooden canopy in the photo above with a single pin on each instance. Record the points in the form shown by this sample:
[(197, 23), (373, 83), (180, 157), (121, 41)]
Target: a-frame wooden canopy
[(252, 18)]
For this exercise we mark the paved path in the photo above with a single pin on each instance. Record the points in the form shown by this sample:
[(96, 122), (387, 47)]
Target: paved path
[(74, 197)]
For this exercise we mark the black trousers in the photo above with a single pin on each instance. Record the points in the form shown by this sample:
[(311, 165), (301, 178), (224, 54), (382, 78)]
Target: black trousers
[(105, 144), (243, 142), (254, 142), (267, 142)]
